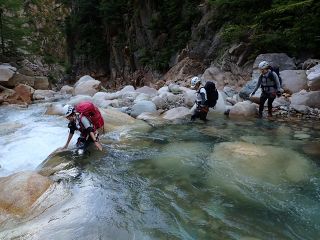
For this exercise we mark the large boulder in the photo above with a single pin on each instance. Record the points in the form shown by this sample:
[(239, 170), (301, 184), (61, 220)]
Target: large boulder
[(189, 98), (276, 59), (176, 113), (83, 79), (6, 72), (245, 109), (41, 83), (314, 78), (24, 92), (19, 191), (159, 102), (294, 80), (54, 109), (117, 121), (19, 79), (67, 90), (238, 161), (310, 99), (147, 90), (282, 60), (143, 106), (89, 87), (43, 94)]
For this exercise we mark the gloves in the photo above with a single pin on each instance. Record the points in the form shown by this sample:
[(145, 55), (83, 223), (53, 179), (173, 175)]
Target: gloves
[(279, 94)]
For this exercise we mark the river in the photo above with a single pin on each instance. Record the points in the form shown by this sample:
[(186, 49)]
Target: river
[(226, 179)]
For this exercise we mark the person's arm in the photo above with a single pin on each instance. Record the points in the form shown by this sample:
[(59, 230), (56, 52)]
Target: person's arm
[(257, 86), (96, 141), (68, 141), (89, 128)]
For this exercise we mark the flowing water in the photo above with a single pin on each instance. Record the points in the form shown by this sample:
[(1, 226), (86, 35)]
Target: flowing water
[(226, 179)]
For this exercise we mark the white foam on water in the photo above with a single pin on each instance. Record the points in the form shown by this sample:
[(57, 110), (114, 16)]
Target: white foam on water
[(38, 135)]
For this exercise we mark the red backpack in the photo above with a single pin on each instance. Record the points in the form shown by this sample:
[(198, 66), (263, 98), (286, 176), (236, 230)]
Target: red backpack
[(89, 110)]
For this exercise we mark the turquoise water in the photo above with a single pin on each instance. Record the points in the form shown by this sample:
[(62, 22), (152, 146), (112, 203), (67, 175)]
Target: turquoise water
[(226, 179)]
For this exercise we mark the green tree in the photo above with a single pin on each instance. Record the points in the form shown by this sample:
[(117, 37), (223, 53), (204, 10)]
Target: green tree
[(14, 27)]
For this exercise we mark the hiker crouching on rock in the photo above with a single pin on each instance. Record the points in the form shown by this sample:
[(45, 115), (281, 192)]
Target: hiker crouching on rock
[(270, 86), (79, 122), (202, 107)]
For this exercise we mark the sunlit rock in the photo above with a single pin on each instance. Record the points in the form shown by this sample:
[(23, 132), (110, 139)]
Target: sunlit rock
[(87, 88), (19, 191), (147, 90), (67, 90), (189, 98), (294, 80), (177, 113), (314, 77), (152, 118), (262, 163), (83, 79), (159, 102), (43, 94), (246, 109), (117, 121), (143, 106), (142, 97), (310, 99)]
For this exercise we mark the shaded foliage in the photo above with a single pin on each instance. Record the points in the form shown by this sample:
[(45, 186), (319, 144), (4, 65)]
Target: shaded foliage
[(290, 26), (14, 29)]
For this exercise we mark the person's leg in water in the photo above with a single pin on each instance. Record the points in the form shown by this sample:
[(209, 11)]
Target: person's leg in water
[(263, 99), (82, 145), (203, 113), (196, 114), (270, 101)]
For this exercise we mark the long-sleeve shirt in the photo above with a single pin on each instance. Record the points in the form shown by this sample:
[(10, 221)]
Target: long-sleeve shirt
[(268, 83)]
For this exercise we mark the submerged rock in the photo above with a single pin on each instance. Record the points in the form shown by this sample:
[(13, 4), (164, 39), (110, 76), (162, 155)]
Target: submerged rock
[(261, 163)]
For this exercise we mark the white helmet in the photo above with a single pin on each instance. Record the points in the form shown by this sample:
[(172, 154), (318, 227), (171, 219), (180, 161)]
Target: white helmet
[(194, 81), (67, 110), (264, 65)]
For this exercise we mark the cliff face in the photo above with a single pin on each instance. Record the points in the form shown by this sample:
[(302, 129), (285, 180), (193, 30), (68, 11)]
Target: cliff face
[(129, 36), (137, 42)]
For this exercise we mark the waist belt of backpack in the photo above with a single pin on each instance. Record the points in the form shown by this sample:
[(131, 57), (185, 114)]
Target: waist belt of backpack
[(267, 88)]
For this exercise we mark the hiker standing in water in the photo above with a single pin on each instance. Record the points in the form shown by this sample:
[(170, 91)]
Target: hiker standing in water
[(270, 85)]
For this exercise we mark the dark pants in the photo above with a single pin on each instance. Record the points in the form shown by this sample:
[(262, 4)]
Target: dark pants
[(263, 98), (200, 112), (83, 143)]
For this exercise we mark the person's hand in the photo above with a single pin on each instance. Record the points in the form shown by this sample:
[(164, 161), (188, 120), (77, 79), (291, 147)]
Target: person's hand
[(98, 145)]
